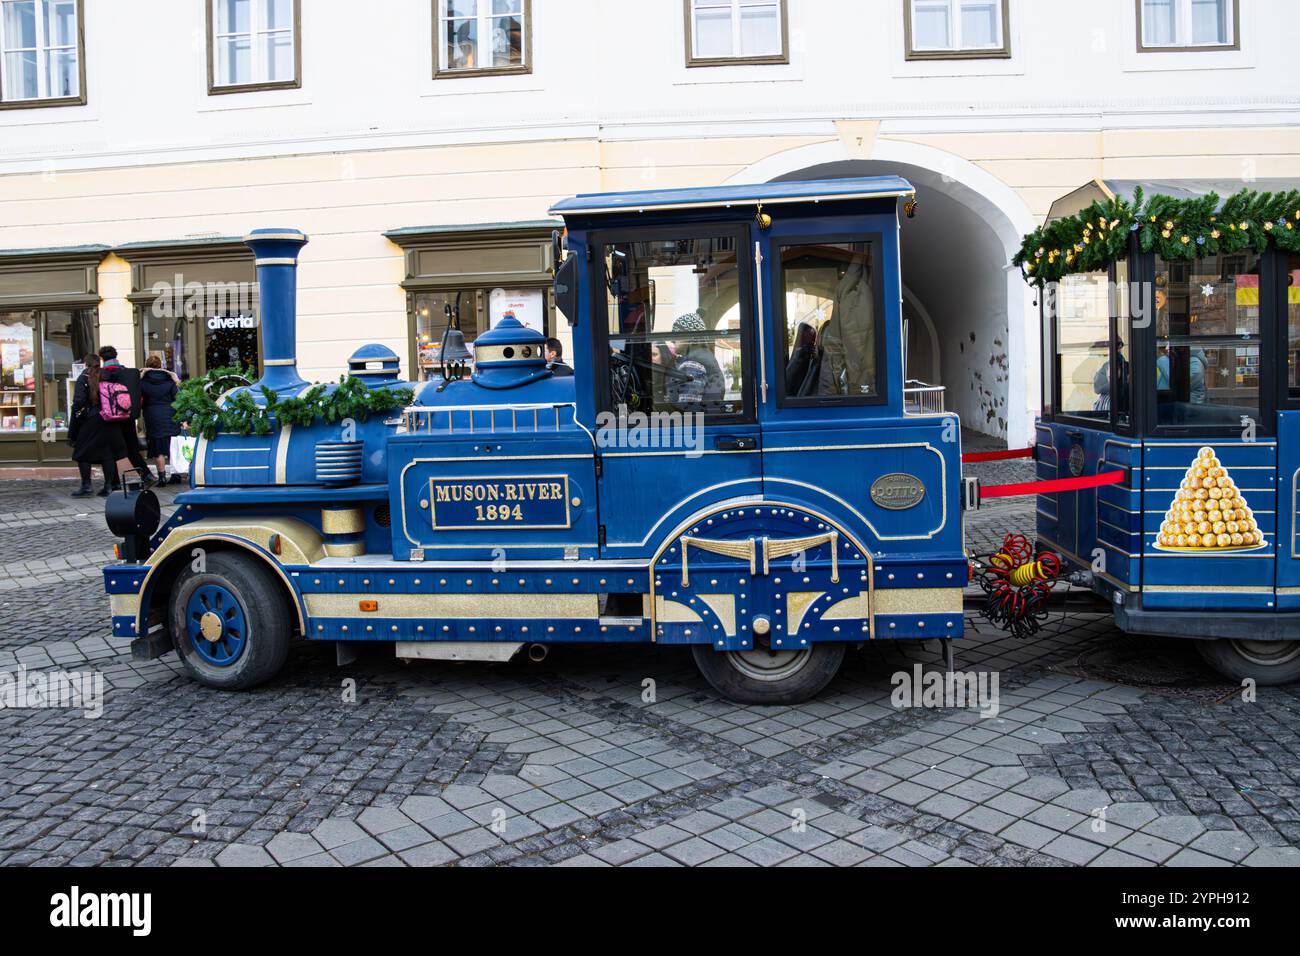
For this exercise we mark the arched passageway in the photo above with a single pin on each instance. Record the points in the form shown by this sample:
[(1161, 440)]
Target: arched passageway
[(971, 320)]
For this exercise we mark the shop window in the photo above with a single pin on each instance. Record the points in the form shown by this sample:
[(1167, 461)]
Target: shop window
[(832, 353), (1207, 342), (1187, 25), (18, 372), (945, 29), (721, 32), (675, 326), (68, 336), (42, 53), (253, 45), (1081, 308), (195, 305), (482, 37), (475, 275)]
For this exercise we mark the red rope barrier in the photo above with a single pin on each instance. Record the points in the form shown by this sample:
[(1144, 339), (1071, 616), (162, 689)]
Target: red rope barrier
[(1055, 484), (997, 455)]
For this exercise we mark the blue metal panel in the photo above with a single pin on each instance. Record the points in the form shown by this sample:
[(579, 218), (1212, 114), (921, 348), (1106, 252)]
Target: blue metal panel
[(1288, 516)]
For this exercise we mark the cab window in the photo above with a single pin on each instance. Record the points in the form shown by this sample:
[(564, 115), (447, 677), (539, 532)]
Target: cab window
[(830, 295), (676, 325), (1207, 341)]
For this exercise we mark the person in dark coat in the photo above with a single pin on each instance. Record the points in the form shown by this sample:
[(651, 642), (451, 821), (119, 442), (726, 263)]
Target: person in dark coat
[(131, 379), (555, 358), (95, 441), (158, 388)]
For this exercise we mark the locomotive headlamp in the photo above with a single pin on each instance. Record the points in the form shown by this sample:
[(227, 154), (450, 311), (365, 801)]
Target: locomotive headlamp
[(909, 208), (763, 219), (133, 516)]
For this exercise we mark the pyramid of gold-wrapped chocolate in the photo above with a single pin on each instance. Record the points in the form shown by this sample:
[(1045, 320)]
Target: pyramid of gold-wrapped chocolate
[(1208, 513)]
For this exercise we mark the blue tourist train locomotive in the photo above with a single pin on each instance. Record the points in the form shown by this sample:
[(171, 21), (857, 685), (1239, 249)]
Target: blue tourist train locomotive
[(731, 467)]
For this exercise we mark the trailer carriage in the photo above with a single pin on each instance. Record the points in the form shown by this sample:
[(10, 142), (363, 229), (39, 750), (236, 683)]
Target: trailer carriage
[(1171, 334)]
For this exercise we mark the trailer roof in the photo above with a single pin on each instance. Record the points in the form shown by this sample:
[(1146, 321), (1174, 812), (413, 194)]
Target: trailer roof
[(821, 190), (1104, 189)]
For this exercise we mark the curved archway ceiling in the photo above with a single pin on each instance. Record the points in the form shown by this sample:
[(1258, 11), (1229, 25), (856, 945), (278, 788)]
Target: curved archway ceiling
[(954, 263)]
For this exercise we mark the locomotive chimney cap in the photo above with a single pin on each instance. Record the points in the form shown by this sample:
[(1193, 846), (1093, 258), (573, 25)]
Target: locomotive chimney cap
[(289, 235)]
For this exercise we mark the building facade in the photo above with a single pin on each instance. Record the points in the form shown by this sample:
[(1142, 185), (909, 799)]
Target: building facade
[(420, 143)]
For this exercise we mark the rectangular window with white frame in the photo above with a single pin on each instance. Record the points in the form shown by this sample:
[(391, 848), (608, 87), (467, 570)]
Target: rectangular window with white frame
[(1181, 25), (42, 53), (482, 37), (726, 32), (254, 45), (956, 29)]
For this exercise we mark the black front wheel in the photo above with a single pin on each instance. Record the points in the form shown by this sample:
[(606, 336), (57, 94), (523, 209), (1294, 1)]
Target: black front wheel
[(230, 622), (1267, 663), (764, 676)]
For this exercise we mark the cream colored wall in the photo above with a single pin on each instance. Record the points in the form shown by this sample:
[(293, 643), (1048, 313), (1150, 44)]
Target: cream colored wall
[(349, 283), (1042, 167)]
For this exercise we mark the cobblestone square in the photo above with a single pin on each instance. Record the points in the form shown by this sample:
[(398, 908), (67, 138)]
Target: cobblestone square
[(564, 763)]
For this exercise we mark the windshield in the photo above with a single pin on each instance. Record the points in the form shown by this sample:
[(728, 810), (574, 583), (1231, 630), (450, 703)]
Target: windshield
[(675, 325)]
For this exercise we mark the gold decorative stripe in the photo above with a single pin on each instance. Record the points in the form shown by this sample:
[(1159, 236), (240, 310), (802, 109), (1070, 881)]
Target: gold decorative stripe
[(291, 234), (724, 608), (1203, 589), (275, 262), (279, 362), (675, 612), (784, 547), (342, 521), (796, 606), (347, 549), (731, 549), (120, 604), (282, 456), (457, 606), (918, 601)]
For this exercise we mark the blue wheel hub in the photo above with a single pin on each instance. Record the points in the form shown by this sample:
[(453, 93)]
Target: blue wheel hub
[(218, 628)]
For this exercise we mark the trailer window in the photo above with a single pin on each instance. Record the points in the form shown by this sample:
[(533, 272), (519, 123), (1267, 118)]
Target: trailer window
[(1207, 342), (676, 326), (1081, 305), (830, 302), (1292, 280)]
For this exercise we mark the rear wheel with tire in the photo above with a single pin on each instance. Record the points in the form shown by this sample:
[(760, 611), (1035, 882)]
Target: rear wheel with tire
[(1266, 662), (764, 676), (230, 622)]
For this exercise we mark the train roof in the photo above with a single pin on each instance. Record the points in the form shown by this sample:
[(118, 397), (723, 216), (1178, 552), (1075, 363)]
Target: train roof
[(820, 190), (1104, 189)]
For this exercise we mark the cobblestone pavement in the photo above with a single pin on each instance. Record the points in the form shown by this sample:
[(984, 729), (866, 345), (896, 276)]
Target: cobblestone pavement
[(565, 762)]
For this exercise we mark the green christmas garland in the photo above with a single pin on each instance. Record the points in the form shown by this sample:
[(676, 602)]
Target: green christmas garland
[(198, 398), (1091, 240)]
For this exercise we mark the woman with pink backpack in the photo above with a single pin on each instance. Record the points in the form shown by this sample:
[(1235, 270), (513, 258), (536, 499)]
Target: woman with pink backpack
[(100, 402)]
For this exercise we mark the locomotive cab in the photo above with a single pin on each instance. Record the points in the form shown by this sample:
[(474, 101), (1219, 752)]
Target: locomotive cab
[(731, 467), (1181, 375)]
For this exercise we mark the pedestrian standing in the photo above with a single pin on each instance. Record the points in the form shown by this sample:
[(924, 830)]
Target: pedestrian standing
[(96, 441), (130, 437), (158, 388)]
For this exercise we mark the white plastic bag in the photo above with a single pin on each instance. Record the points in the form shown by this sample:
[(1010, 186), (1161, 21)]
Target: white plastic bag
[(182, 453)]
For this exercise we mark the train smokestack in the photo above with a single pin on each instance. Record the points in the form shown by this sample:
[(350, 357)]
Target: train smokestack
[(275, 254)]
